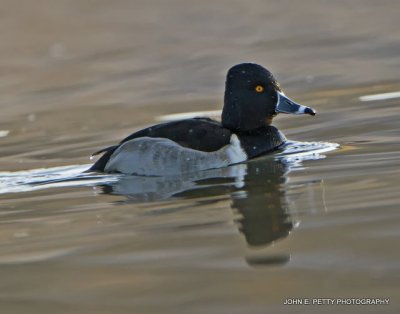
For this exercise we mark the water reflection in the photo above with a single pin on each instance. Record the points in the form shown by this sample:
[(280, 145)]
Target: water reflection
[(262, 203), (258, 190)]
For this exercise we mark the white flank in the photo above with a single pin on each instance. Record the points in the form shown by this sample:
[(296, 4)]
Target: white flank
[(160, 157), (234, 151)]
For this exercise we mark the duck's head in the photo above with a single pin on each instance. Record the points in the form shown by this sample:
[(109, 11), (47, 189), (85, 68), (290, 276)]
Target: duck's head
[(253, 97)]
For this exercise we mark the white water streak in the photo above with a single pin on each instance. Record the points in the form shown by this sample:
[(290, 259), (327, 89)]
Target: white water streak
[(383, 96), (189, 115)]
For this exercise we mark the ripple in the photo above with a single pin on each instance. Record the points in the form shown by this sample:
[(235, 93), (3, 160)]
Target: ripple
[(292, 153), (38, 179)]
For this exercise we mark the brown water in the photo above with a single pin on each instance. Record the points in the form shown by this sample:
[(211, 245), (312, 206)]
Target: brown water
[(77, 76)]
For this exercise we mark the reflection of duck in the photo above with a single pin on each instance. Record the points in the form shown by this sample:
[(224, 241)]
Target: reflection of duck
[(257, 189), (261, 203), (252, 99), (145, 189)]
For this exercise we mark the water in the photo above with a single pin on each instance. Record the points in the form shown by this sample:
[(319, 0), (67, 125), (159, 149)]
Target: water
[(79, 76)]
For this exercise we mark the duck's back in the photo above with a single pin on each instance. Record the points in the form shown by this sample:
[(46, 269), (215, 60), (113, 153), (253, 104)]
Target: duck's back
[(201, 134)]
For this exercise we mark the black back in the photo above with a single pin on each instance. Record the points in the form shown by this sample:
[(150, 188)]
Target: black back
[(201, 134)]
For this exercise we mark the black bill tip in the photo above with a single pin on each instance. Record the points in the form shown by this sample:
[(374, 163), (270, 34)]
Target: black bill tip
[(310, 111)]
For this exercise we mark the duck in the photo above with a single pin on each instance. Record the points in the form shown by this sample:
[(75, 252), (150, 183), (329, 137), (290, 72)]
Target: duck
[(252, 99)]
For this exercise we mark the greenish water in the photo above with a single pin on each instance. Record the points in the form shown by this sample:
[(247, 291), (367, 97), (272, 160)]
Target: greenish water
[(80, 76)]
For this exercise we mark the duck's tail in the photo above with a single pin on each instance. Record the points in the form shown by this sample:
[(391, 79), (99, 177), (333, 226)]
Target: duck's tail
[(100, 164)]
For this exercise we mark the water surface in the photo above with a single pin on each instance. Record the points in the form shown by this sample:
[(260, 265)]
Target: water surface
[(76, 77)]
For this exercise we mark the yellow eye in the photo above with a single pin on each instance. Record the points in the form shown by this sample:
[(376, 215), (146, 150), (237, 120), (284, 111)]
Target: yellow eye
[(259, 89)]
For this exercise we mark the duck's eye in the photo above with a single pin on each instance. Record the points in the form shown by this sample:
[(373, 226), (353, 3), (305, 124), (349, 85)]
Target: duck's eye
[(259, 89)]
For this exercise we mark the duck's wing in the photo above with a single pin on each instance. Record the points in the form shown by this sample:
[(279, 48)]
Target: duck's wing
[(201, 134)]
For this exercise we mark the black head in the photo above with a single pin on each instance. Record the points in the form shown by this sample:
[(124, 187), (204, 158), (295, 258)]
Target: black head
[(253, 97)]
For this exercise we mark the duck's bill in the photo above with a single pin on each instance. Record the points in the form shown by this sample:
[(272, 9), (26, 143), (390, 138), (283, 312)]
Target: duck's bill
[(286, 105)]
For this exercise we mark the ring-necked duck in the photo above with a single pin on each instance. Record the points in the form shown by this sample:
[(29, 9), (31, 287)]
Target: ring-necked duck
[(252, 99)]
